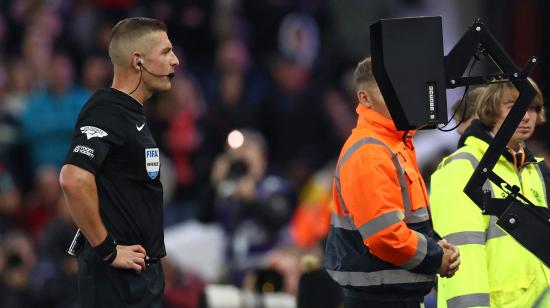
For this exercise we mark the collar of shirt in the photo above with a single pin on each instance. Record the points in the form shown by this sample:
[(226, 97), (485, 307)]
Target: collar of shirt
[(126, 100), (381, 125)]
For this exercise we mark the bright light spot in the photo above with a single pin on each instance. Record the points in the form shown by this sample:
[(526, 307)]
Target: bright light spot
[(235, 139)]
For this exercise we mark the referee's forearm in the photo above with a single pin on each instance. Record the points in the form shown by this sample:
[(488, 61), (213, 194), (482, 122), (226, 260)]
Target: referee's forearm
[(80, 192)]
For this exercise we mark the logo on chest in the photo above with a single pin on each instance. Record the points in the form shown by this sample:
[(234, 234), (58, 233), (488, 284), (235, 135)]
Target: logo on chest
[(152, 162)]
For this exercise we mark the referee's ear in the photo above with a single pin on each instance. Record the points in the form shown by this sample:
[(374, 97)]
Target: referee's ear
[(137, 62)]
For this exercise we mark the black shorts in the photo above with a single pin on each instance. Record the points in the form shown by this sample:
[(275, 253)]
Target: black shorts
[(101, 285)]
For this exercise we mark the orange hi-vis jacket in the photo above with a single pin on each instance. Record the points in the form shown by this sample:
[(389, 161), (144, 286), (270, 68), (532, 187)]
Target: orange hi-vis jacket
[(381, 241)]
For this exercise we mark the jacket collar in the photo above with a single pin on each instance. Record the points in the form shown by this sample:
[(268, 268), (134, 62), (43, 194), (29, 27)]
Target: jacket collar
[(381, 125), (481, 132)]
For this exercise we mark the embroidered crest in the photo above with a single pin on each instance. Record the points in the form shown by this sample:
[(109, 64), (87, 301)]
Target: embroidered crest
[(92, 131)]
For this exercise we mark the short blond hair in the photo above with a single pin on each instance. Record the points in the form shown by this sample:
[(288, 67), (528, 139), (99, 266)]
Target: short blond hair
[(488, 109), (363, 73), (126, 36)]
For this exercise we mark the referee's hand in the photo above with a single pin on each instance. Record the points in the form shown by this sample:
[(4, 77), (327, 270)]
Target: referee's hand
[(130, 257)]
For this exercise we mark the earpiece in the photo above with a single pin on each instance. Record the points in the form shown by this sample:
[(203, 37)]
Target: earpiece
[(141, 66), (139, 63)]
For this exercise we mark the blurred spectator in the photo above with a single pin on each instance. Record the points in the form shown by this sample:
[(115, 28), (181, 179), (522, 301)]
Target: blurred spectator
[(19, 83), (54, 279), (286, 261), (51, 112), (3, 28), (36, 51), (3, 78), (183, 289), (19, 259), (232, 92), (175, 119), (10, 201), (184, 108), (253, 207), (341, 117), (96, 73), (311, 220), (41, 204), (349, 26), (293, 121), (264, 19), (45, 21), (234, 67), (12, 104), (299, 38), (190, 24), (102, 35)]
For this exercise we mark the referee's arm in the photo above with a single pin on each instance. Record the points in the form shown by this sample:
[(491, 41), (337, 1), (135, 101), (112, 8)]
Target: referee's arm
[(80, 190)]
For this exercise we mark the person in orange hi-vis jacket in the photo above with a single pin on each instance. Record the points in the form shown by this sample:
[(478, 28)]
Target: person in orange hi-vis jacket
[(381, 247)]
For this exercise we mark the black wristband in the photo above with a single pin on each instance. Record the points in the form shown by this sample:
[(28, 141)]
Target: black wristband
[(106, 248), (111, 257)]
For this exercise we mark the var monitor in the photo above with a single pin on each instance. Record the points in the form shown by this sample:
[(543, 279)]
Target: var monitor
[(408, 64)]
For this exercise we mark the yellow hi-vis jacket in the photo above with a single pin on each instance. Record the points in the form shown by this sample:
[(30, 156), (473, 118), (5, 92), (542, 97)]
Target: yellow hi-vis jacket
[(495, 270)]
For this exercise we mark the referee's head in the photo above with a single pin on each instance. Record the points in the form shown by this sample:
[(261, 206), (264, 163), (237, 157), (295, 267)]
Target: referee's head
[(131, 34), (142, 56)]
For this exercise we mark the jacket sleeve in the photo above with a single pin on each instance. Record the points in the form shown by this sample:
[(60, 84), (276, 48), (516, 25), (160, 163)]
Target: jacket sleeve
[(457, 219), (373, 198)]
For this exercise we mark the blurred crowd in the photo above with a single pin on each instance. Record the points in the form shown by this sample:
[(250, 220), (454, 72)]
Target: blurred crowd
[(249, 135)]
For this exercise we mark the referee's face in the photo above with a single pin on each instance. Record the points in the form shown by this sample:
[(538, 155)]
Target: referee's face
[(161, 61)]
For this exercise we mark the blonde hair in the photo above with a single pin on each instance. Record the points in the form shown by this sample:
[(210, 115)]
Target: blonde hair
[(363, 73), (488, 104), (470, 104), (127, 34)]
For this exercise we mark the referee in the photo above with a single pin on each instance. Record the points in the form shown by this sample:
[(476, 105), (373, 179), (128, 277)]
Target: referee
[(111, 174)]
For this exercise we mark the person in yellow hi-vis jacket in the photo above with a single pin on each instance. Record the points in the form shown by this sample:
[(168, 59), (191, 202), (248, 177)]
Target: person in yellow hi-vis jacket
[(495, 271)]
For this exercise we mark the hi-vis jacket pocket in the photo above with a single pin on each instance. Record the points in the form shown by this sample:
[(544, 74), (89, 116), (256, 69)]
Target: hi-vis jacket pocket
[(417, 189)]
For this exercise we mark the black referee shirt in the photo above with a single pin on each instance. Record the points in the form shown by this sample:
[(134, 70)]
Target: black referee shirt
[(112, 140)]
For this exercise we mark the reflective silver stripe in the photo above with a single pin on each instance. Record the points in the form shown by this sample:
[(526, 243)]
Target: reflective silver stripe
[(362, 279), (470, 300), (400, 176), (421, 250), (420, 215), (465, 238), (544, 192), (379, 223), (494, 230), (346, 156), (462, 155), (342, 222), (471, 158), (395, 161), (402, 182)]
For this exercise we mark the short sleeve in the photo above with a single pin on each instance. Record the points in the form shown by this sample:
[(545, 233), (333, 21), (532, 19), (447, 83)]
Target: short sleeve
[(97, 132)]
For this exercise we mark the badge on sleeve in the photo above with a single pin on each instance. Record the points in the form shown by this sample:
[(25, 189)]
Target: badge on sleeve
[(152, 162)]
